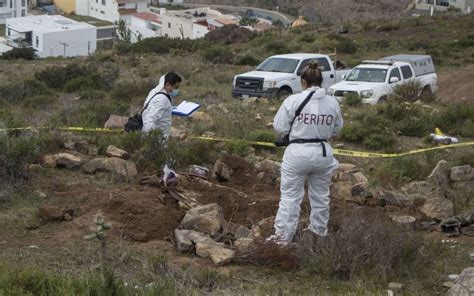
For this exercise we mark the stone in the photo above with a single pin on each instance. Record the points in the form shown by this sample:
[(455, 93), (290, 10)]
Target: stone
[(218, 253), (428, 226), (464, 285), (204, 119), (116, 121), (94, 165), (140, 237), (241, 232), (392, 198), (269, 124), (360, 178), (341, 190), (243, 245), (81, 147), (113, 151), (359, 188), (258, 117), (395, 287), (453, 277), (48, 161), (448, 285), (418, 187), (247, 101), (35, 168), (342, 176), (121, 167), (67, 217), (468, 230), (185, 239), (360, 200), (438, 208), (404, 220), (463, 185), (440, 176), (67, 160), (264, 228), (462, 173), (221, 172), (346, 167), (271, 168), (178, 134), (208, 219)]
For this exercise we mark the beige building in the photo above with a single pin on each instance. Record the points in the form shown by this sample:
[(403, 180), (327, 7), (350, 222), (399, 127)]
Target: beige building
[(441, 5), (66, 6)]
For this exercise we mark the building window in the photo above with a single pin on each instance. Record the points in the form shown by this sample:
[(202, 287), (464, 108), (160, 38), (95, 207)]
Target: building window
[(23, 3), (169, 25), (103, 2), (37, 42), (23, 12), (102, 12)]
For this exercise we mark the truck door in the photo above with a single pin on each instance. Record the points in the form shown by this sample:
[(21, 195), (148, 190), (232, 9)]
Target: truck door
[(394, 73), (407, 73), (323, 64)]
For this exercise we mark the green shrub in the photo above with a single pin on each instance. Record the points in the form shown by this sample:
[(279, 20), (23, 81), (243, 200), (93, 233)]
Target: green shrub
[(218, 54), (456, 119), (248, 60), (414, 127), (378, 141), (238, 147), (16, 93), (262, 136), (346, 46), (277, 47), (126, 91), (57, 77), (92, 81), (407, 92), (19, 53), (467, 41), (308, 38), (353, 132), (353, 99), (389, 26), (163, 45)]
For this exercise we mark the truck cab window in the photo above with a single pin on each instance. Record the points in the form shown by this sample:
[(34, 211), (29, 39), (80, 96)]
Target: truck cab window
[(407, 73), (395, 73)]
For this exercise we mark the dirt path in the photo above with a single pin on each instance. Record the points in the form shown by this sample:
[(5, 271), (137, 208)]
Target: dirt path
[(457, 84)]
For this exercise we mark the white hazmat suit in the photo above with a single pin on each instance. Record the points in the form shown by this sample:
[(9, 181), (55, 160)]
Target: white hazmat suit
[(159, 112), (320, 119)]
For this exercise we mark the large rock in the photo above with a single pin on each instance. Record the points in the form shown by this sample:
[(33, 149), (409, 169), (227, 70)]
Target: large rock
[(67, 160), (185, 239), (113, 151), (221, 172), (418, 187), (360, 178), (204, 119), (438, 208), (359, 188), (177, 134), (94, 165), (464, 285), (48, 161), (341, 190), (207, 219), (462, 173), (243, 245), (271, 168), (115, 121), (218, 253), (121, 167), (346, 167), (392, 198), (241, 232), (440, 175)]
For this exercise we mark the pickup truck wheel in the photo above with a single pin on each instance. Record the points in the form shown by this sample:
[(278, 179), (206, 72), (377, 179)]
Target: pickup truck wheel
[(382, 100), (283, 93), (426, 94)]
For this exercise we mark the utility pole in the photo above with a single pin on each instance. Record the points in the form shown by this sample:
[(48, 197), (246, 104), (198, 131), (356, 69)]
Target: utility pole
[(88, 48), (64, 45)]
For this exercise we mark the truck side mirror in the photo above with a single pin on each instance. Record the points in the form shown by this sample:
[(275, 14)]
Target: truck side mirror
[(343, 76), (394, 80), (299, 72)]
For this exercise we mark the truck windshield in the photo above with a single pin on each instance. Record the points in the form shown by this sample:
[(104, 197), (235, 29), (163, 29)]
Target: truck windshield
[(367, 75), (278, 65)]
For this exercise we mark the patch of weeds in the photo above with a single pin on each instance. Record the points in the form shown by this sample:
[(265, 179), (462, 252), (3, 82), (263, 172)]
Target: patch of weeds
[(353, 100), (127, 91), (16, 93), (248, 60), (19, 53), (262, 136), (277, 47), (238, 147), (218, 54), (456, 119)]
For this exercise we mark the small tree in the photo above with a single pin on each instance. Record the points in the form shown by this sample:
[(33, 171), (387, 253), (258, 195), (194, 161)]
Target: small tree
[(123, 32), (247, 21)]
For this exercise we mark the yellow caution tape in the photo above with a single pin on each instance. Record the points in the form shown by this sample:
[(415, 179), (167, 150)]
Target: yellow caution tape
[(335, 151)]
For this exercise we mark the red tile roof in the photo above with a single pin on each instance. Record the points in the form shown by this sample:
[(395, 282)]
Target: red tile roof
[(127, 11), (148, 16)]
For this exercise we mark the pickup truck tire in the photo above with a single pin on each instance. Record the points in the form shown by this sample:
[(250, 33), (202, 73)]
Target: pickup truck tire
[(426, 94), (283, 93), (383, 99)]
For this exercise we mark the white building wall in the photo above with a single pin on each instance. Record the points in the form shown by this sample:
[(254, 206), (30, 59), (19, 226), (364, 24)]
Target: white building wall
[(199, 31), (12, 9), (172, 26), (81, 42)]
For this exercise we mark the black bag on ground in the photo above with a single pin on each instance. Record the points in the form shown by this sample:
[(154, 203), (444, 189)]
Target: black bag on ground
[(135, 123)]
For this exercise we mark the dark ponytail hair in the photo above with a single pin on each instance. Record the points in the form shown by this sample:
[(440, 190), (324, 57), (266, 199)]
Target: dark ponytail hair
[(312, 74)]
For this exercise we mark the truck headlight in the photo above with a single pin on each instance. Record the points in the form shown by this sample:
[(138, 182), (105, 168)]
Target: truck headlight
[(366, 93), (268, 84), (234, 81), (331, 91)]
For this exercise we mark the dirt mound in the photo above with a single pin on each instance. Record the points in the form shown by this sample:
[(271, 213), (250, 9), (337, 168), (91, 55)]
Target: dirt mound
[(229, 34)]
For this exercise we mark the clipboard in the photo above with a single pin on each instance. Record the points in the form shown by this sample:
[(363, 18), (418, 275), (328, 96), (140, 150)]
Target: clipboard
[(185, 109)]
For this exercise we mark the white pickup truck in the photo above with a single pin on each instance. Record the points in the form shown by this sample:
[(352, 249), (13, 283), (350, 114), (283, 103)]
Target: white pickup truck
[(374, 81), (279, 76)]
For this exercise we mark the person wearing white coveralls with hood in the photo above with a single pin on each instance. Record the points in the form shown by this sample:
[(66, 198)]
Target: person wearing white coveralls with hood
[(158, 105), (308, 155)]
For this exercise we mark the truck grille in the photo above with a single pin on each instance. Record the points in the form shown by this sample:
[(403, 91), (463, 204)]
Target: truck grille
[(245, 83), (342, 93)]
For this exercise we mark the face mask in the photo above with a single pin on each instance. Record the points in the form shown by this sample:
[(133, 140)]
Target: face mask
[(174, 93)]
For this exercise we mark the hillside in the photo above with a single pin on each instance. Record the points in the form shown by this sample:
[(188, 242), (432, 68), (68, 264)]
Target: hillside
[(54, 181)]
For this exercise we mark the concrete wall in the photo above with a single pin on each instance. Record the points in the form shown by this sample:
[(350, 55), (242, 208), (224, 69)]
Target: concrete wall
[(82, 42), (15, 11), (66, 6), (171, 27), (199, 31)]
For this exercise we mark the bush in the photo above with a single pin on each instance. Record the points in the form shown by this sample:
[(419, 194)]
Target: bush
[(163, 45), (217, 54), (247, 60), (308, 38), (126, 91), (378, 141), (389, 26), (407, 92), (456, 119), (353, 132), (17, 92), (19, 53), (262, 136), (365, 245), (353, 100), (277, 47), (346, 46)]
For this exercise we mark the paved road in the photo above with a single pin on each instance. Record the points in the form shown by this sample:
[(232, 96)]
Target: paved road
[(105, 32), (263, 13)]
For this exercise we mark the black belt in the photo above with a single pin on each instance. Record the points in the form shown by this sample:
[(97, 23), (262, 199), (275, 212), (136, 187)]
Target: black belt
[(305, 141)]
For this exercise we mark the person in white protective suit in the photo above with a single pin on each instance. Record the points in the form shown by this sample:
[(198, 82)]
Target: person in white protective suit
[(308, 155), (158, 105)]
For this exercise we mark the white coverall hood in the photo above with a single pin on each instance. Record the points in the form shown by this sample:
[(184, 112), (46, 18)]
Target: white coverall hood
[(159, 112), (320, 119)]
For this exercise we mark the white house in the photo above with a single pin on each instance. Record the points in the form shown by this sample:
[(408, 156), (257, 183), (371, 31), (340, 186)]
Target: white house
[(51, 35), (145, 25), (12, 9), (464, 5), (111, 10), (193, 23)]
